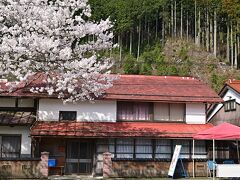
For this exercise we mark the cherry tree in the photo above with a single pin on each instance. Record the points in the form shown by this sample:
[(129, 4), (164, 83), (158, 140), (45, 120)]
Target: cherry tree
[(56, 38)]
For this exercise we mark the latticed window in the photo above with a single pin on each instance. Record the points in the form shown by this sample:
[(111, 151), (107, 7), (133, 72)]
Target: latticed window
[(158, 149), (230, 105), (163, 149), (143, 148), (124, 148)]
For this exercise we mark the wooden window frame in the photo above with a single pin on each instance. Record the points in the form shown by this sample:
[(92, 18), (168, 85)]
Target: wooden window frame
[(153, 144), (151, 111), (230, 105), (75, 115), (11, 135), (169, 114)]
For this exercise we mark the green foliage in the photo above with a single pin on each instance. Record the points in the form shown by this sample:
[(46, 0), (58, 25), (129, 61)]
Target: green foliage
[(217, 81), (143, 24), (130, 65), (153, 62), (150, 59)]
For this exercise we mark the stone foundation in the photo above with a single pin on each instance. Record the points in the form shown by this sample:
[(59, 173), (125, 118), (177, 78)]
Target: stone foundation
[(25, 168), (153, 169)]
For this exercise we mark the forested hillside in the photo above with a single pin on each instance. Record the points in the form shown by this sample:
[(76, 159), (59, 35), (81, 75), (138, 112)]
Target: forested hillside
[(200, 38)]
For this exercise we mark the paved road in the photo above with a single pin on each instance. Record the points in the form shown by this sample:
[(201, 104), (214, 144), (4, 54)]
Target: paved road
[(75, 177)]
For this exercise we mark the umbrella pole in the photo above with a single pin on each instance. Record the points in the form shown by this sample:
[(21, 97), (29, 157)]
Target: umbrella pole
[(213, 159), (238, 151), (193, 158)]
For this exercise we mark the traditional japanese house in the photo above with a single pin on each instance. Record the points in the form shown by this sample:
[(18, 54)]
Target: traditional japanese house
[(17, 114), (227, 111), (139, 121)]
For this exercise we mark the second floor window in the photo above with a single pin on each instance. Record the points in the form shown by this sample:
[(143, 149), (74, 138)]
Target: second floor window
[(169, 112), (230, 105), (67, 115), (131, 111)]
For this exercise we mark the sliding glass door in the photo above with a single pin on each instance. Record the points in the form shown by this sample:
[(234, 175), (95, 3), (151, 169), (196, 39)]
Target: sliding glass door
[(79, 157)]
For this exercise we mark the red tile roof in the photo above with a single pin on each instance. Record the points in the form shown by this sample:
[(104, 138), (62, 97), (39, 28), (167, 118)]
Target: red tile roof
[(161, 88), (234, 84), (145, 88), (117, 129)]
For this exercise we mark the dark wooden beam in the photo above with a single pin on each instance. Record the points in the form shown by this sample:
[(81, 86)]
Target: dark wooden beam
[(15, 109)]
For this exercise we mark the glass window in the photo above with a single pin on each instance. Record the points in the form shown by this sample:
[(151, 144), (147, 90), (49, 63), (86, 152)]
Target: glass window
[(161, 111), (177, 112), (25, 102), (185, 150), (111, 147), (230, 105), (124, 148), (10, 146), (67, 115), (131, 111), (200, 150), (163, 149), (169, 112), (143, 148)]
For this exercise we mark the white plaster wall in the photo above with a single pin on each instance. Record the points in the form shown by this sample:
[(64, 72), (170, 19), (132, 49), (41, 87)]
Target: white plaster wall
[(7, 102), (195, 113), (230, 94), (19, 130), (104, 111)]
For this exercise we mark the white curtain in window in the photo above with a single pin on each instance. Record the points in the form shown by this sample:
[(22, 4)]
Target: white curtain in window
[(163, 149), (124, 148), (142, 111), (143, 148), (134, 111)]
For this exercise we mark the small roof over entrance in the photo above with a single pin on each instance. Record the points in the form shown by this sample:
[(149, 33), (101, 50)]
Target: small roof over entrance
[(117, 129), (223, 131)]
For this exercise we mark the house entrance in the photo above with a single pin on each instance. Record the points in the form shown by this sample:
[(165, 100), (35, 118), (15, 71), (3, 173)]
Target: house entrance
[(79, 157)]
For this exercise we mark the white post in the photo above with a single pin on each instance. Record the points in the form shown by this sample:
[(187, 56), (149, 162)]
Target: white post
[(213, 159), (193, 158), (237, 151)]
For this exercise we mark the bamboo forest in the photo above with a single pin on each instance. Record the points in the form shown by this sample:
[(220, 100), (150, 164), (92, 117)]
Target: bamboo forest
[(199, 38)]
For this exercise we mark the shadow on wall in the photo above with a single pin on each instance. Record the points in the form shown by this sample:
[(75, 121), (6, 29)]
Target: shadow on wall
[(46, 115), (96, 117), (83, 116)]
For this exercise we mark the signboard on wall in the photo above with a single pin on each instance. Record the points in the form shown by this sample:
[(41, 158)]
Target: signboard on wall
[(174, 161)]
